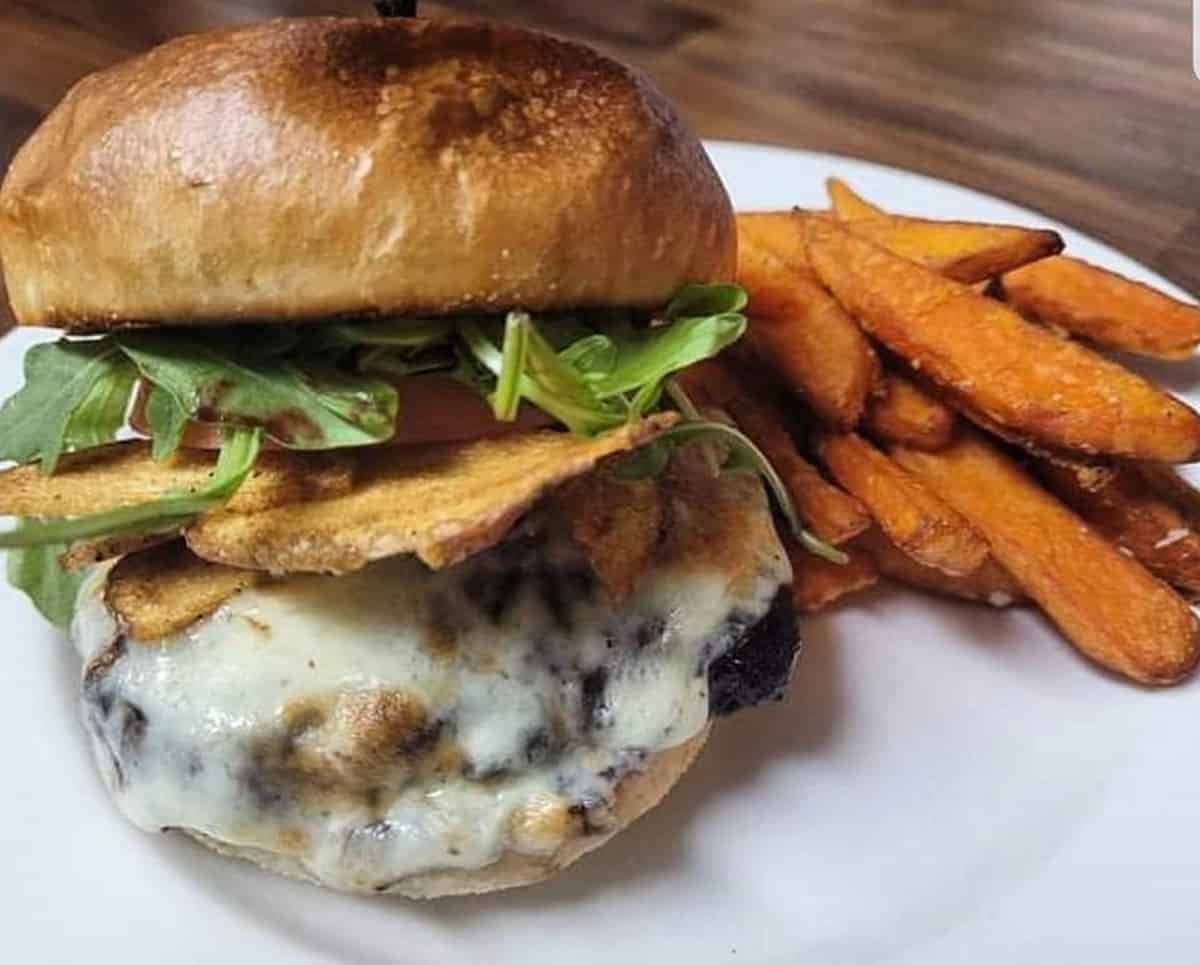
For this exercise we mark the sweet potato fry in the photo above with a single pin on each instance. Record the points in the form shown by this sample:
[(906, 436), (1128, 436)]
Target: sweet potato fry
[(1104, 307), (1107, 604), (804, 335), (848, 204), (817, 583), (905, 413), (832, 514), (961, 250), (990, 582), (912, 516), (1137, 518), (998, 367)]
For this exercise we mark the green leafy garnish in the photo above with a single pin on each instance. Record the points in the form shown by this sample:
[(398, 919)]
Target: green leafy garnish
[(67, 401), (507, 397), (36, 572), (239, 452), (301, 403), (167, 420)]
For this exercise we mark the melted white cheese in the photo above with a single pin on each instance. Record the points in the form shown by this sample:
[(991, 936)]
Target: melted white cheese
[(189, 732)]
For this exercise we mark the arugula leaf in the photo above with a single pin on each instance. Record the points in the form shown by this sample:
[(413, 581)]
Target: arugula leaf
[(646, 357), (507, 397), (695, 300), (62, 378), (300, 403), (239, 452), (167, 420), (563, 395), (36, 572), (593, 356)]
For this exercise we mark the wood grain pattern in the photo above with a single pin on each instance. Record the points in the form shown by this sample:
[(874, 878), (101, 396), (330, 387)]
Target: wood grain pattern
[(1080, 108)]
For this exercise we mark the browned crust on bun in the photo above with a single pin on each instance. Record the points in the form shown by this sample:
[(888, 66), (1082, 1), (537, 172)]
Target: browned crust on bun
[(302, 169)]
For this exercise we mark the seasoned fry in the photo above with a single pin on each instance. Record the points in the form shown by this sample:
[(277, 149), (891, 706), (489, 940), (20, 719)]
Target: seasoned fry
[(833, 515), (990, 583), (1108, 605), (124, 474), (1134, 516), (799, 331), (961, 250), (909, 513), (85, 553), (817, 583), (848, 204), (1104, 307), (443, 502), (909, 415), (1000, 368)]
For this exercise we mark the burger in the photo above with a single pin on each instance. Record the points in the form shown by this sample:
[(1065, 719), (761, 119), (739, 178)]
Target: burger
[(397, 557)]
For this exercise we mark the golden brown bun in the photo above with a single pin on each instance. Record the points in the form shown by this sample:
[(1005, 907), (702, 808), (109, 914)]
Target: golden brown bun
[(308, 168), (636, 795)]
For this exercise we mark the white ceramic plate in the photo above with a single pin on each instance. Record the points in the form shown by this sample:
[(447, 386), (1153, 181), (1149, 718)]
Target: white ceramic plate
[(944, 784)]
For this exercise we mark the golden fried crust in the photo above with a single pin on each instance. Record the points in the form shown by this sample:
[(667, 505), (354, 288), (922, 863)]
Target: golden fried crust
[(441, 502), (300, 169), (163, 590)]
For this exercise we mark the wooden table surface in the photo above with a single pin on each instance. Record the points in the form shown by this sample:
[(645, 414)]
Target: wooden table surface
[(1080, 108)]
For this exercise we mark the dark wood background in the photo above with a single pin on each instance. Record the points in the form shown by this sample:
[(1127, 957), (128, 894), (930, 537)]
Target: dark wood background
[(1085, 109)]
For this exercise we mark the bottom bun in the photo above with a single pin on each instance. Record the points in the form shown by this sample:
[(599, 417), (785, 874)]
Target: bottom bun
[(637, 794)]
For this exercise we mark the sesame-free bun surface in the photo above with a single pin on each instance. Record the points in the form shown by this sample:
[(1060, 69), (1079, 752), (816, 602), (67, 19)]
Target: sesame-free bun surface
[(301, 169)]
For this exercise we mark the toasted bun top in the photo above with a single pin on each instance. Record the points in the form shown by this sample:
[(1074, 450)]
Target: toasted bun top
[(308, 168)]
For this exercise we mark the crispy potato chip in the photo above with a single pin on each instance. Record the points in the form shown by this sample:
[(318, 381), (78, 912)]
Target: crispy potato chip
[(166, 589), (989, 583), (88, 552), (848, 204), (817, 583), (1104, 307), (617, 522), (442, 502), (905, 413), (124, 474), (1107, 604), (999, 368), (914, 518)]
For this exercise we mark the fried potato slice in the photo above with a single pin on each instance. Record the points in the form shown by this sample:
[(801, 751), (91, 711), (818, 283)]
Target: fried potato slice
[(1136, 517), (988, 583), (803, 334), (904, 413), (1103, 307), (914, 518), (124, 474), (1002, 369), (88, 552), (962, 250), (618, 523), (442, 502), (1107, 604), (166, 589), (817, 583), (848, 204)]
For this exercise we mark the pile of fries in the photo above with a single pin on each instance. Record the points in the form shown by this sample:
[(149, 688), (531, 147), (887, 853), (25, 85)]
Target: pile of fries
[(942, 413)]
